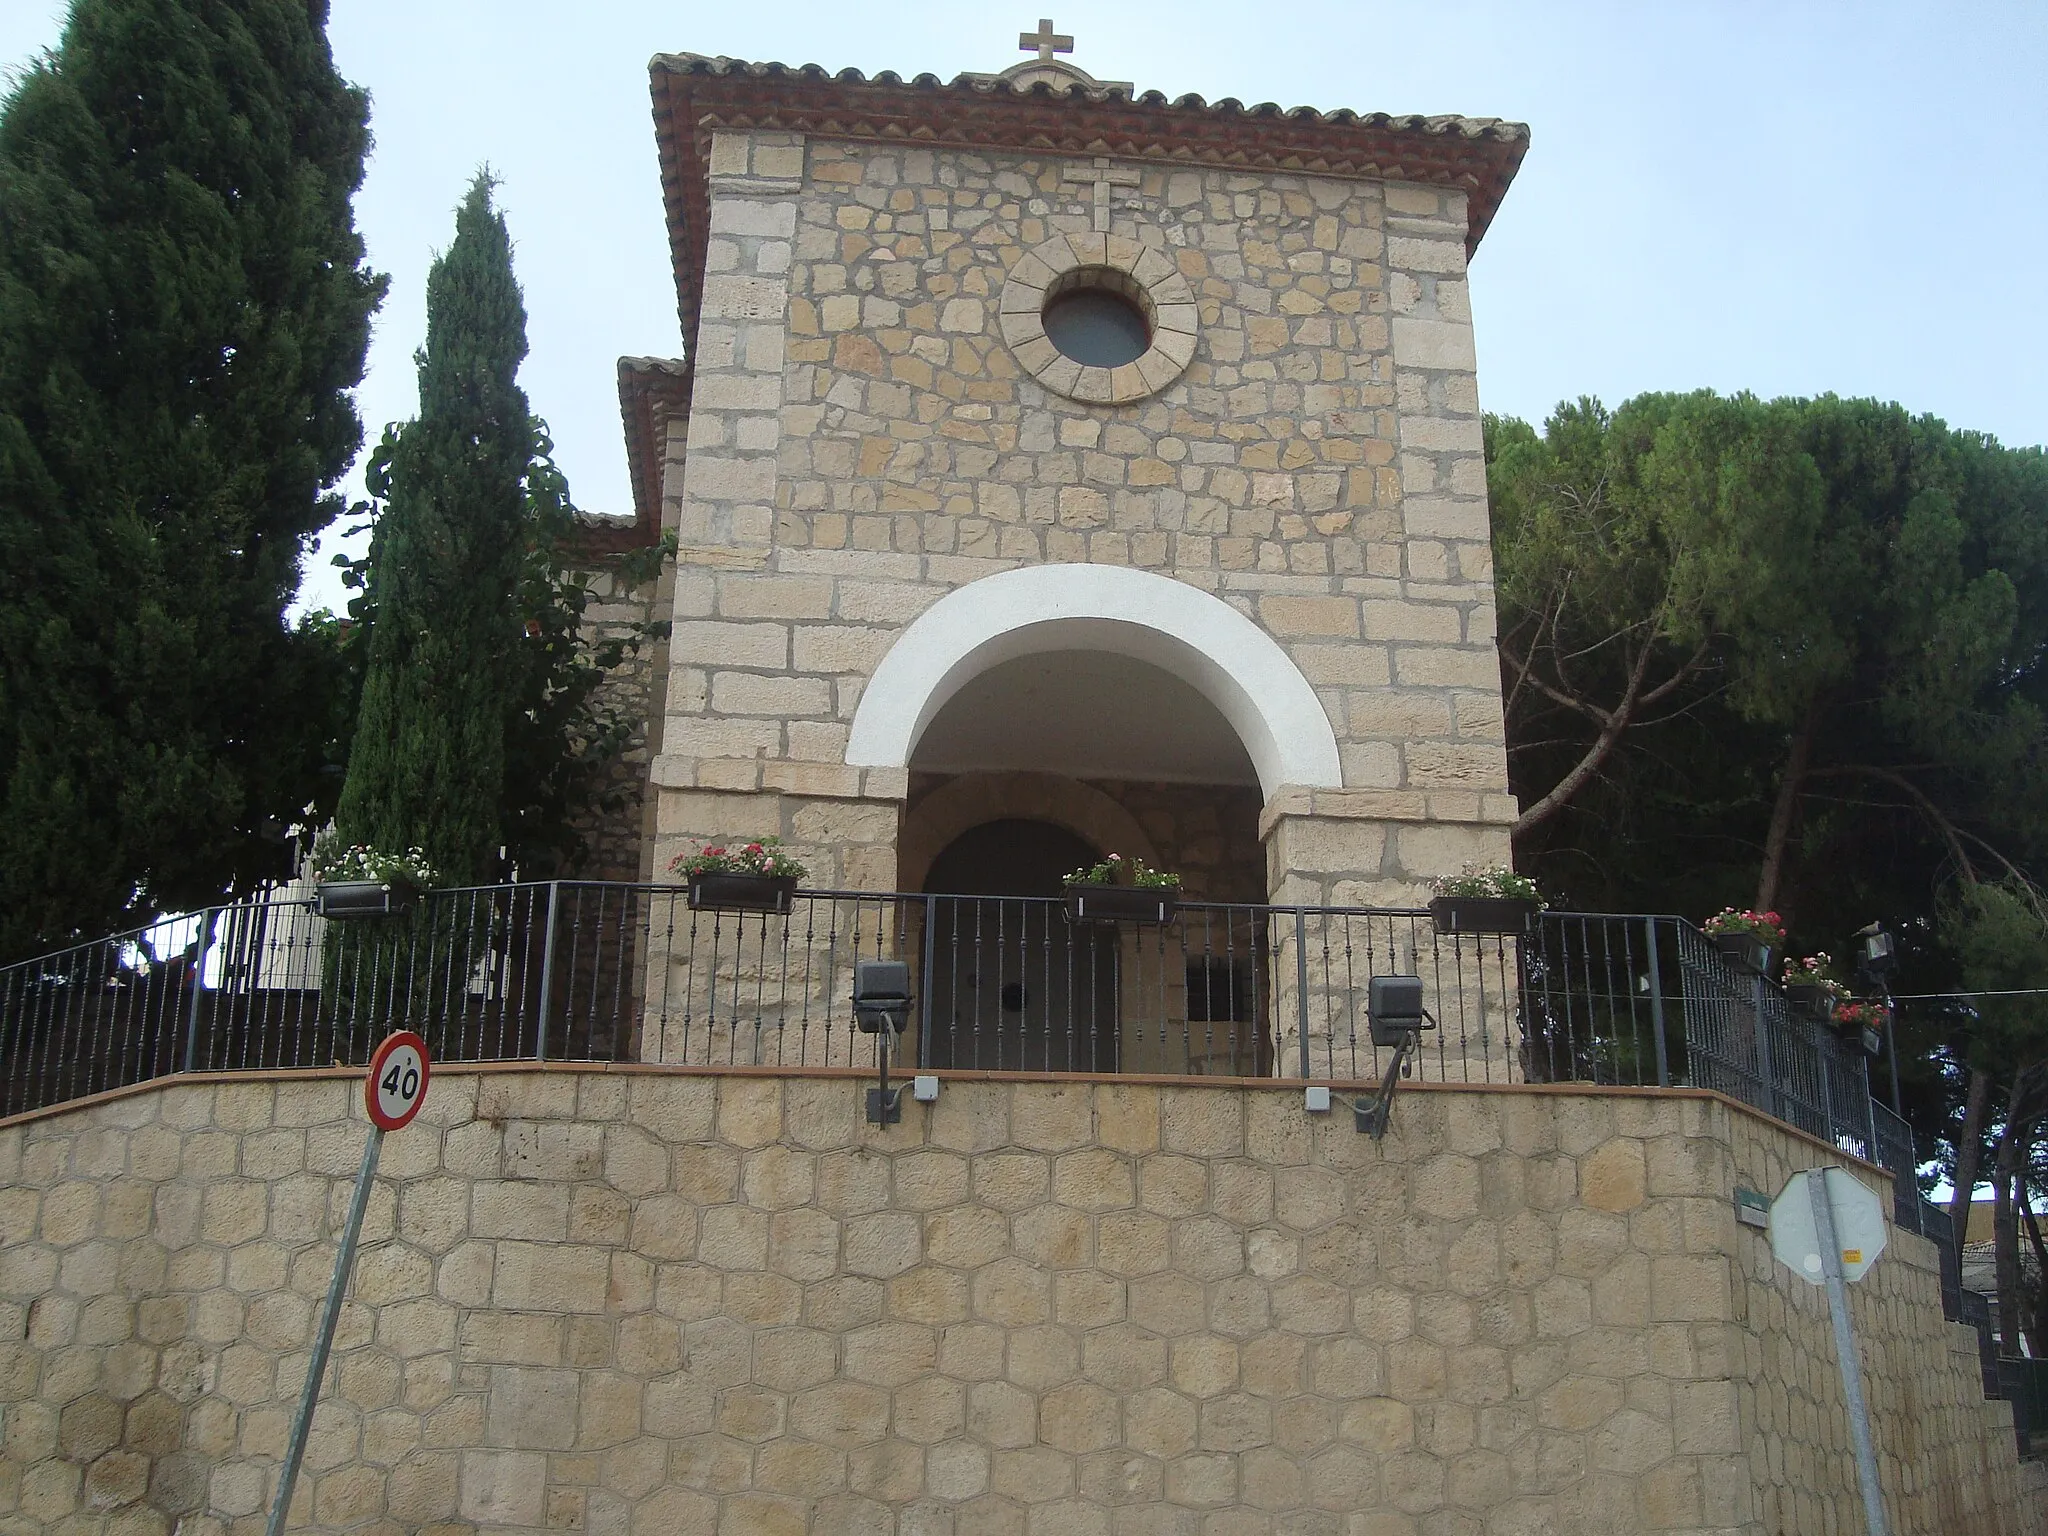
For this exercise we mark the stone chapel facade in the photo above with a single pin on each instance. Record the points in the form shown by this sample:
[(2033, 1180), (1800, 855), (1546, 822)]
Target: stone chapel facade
[(1224, 603), (1051, 458)]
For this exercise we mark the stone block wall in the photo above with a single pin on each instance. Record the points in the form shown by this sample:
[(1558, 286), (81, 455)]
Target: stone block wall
[(862, 442), (617, 824), (647, 1303)]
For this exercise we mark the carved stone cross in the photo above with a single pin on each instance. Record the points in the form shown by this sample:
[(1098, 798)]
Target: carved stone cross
[(1045, 40), (1101, 176)]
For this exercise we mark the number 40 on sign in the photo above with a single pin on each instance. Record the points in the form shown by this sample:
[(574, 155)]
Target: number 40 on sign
[(396, 1085)]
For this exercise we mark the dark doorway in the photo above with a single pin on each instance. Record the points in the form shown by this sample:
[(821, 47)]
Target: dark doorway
[(1015, 987)]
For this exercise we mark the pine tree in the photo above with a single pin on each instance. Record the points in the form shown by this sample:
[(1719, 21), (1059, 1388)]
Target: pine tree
[(427, 767), (184, 309)]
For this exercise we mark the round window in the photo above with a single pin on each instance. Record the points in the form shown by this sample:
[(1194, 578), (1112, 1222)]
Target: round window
[(1097, 327), (1099, 318)]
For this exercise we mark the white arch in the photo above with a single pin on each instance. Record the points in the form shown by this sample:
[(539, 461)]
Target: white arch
[(1199, 638)]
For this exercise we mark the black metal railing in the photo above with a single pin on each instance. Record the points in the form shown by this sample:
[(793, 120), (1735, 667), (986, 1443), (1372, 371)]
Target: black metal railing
[(589, 971)]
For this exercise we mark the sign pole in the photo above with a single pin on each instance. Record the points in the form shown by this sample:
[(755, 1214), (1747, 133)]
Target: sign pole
[(393, 1091), (309, 1399), (1845, 1352)]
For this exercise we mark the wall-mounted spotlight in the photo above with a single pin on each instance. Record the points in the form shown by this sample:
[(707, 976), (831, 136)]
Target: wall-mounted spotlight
[(881, 1007), (1397, 1019)]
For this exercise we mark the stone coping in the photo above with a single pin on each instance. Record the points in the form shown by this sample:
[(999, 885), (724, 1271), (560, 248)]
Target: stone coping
[(949, 1075)]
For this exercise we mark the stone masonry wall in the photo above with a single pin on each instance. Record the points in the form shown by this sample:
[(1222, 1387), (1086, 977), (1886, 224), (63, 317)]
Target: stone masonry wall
[(645, 1303), (862, 442), (617, 829)]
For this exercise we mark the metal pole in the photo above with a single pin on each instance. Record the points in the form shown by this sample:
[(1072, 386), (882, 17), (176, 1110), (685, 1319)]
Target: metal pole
[(924, 1002), (1845, 1349), (1657, 1005), (547, 972), (1891, 1049), (1768, 1077), (197, 980), (1301, 983), (309, 1399)]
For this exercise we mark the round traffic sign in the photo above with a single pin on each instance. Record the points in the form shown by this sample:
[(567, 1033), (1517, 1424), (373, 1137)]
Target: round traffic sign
[(396, 1085)]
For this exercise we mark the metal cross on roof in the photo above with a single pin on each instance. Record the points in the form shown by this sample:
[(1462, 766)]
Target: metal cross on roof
[(1045, 40)]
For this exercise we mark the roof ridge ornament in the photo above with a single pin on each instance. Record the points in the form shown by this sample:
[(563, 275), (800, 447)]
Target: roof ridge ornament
[(1045, 41), (1063, 78)]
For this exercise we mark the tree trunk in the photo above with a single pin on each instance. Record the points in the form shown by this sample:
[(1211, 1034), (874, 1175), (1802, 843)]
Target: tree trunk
[(2037, 1331), (2004, 1231), (1771, 877), (1969, 1153)]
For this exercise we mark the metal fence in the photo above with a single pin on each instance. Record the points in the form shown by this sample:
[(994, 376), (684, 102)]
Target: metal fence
[(589, 971)]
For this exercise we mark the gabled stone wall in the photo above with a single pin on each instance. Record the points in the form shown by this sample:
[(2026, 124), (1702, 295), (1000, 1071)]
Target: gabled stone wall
[(648, 1303)]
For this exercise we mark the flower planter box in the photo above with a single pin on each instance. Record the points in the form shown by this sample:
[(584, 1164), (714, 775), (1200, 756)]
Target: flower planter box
[(1854, 1031), (1743, 951), (1812, 1001), (1481, 914), (1122, 903), (741, 893), (346, 899)]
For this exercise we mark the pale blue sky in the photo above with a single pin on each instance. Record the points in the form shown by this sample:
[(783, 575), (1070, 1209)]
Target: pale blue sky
[(1786, 198)]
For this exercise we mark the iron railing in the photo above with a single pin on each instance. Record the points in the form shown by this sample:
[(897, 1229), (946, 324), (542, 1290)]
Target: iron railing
[(588, 971)]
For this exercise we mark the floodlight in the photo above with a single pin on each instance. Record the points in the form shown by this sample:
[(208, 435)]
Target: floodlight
[(881, 996), (1394, 1006), (1875, 956)]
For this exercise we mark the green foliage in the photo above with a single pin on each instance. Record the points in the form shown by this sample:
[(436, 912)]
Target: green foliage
[(183, 311), (1489, 882), (564, 728), (1832, 569), (1846, 608), (485, 723), (1118, 870), (1998, 933), (427, 766)]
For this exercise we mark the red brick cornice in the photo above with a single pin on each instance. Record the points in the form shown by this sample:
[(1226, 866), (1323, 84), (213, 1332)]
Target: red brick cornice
[(696, 96)]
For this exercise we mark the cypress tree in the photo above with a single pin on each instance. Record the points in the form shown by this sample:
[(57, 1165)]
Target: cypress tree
[(427, 767), (184, 308)]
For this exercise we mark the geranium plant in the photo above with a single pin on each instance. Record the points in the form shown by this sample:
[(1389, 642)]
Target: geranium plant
[(1813, 972), (765, 857), (1488, 882), (1118, 870), (1766, 927), (334, 861), (1862, 1013)]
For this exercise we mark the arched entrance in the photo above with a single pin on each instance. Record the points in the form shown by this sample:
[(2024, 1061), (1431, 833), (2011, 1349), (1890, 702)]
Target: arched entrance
[(1109, 610), (1014, 986), (1106, 710)]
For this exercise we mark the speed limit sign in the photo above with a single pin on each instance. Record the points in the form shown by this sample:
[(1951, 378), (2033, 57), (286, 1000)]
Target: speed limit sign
[(397, 1082)]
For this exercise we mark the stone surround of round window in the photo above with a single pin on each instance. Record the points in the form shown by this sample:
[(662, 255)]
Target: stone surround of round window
[(1099, 318)]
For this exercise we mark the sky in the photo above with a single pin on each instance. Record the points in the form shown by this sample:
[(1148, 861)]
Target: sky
[(1783, 197)]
